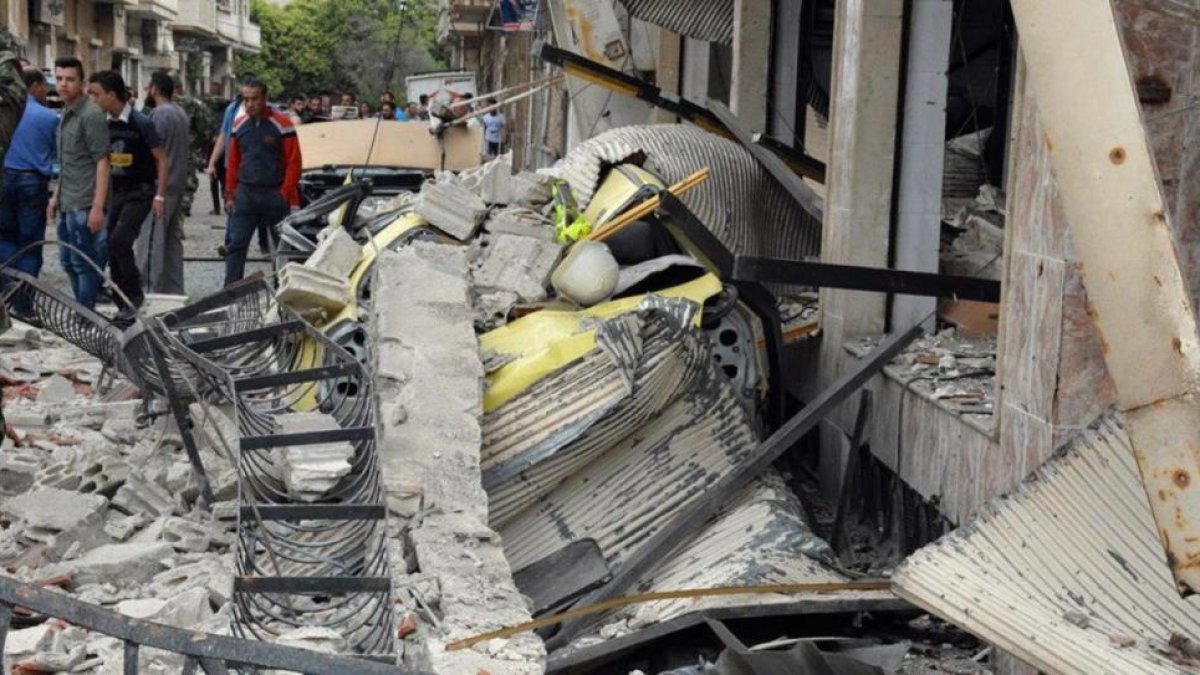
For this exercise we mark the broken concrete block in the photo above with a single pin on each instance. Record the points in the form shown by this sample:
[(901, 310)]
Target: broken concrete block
[(451, 208), (518, 264), (316, 638), (212, 574), (336, 255), (121, 527), (492, 181), (530, 188), (52, 660), (57, 389), (20, 644), (185, 535), (92, 473), (184, 610), (520, 221), (58, 518), (122, 565), (18, 470), (141, 608), (304, 289), (140, 495), (309, 471)]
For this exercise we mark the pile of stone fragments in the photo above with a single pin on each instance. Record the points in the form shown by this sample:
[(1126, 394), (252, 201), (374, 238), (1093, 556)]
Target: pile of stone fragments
[(98, 500)]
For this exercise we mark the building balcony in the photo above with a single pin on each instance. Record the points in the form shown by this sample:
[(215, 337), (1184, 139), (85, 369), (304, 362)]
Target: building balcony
[(251, 37), (160, 10), (160, 61), (229, 26), (465, 18), (197, 18)]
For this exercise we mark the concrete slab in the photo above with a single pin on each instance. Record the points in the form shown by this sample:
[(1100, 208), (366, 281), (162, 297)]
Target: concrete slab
[(518, 264), (336, 254), (430, 399), (304, 289), (309, 471), (451, 208)]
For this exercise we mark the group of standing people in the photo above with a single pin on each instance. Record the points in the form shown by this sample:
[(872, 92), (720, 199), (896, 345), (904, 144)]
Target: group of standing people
[(125, 179), (113, 173)]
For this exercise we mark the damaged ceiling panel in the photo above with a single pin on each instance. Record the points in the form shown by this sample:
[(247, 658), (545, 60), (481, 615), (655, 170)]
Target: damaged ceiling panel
[(1068, 573), (708, 20), (743, 206)]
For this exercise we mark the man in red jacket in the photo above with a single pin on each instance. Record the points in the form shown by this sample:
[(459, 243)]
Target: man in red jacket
[(262, 174)]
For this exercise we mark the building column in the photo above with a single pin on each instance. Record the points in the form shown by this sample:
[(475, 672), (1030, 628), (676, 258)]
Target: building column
[(858, 206), (750, 87), (667, 70), (694, 80), (922, 154)]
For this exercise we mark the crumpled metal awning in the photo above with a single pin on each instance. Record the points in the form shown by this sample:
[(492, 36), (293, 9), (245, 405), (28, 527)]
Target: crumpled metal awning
[(1067, 573), (708, 20)]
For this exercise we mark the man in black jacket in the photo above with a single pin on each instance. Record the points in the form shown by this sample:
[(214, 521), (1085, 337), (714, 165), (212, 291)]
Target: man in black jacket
[(139, 184)]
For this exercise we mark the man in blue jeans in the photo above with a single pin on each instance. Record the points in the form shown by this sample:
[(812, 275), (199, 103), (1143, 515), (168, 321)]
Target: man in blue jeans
[(28, 166), (262, 174), (82, 183)]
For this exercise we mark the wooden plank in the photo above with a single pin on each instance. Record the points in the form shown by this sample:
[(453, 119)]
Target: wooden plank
[(407, 145)]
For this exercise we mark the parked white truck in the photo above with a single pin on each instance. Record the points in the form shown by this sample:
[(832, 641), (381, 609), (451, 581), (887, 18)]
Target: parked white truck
[(457, 81)]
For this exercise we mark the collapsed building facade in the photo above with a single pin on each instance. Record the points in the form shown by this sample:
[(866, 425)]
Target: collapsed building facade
[(439, 425)]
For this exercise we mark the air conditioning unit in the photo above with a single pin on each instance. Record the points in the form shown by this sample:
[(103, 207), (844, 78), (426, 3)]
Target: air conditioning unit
[(50, 12)]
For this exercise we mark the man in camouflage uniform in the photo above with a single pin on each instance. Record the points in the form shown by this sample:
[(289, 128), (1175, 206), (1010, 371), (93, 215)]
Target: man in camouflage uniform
[(202, 127), (12, 93), (12, 106)]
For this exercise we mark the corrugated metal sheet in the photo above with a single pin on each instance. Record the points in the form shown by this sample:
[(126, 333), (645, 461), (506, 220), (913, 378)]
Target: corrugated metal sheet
[(1067, 573), (761, 538), (564, 421), (633, 487), (708, 20), (741, 203)]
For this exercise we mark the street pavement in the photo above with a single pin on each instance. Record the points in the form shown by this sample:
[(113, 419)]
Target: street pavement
[(203, 271)]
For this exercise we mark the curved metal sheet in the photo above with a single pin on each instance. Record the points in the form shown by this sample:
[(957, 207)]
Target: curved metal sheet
[(1067, 573)]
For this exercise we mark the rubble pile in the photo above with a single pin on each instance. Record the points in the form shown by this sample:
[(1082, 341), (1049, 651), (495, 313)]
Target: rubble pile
[(593, 362), (99, 501)]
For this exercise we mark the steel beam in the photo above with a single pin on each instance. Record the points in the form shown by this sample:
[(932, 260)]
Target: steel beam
[(204, 647), (313, 511), (804, 195), (1137, 291), (310, 585), (307, 438), (253, 335), (856, 278)]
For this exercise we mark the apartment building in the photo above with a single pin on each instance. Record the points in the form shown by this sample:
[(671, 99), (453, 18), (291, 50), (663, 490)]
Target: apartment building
[(136, 37)]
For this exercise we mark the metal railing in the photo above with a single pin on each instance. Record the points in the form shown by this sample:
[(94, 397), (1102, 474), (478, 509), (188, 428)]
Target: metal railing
[(210, 653), (300, 563), (316, 562)]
